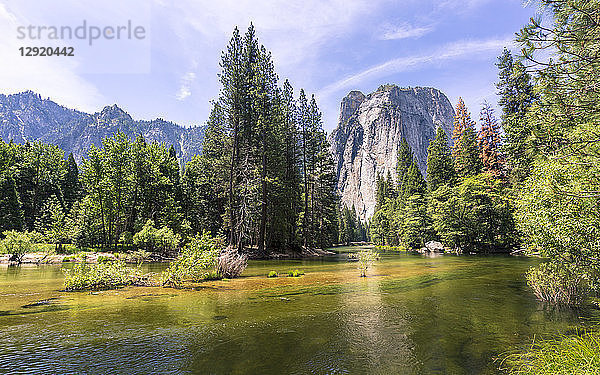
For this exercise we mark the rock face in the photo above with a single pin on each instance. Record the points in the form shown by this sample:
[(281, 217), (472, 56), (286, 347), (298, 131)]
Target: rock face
[(27, 117), (369, 132)]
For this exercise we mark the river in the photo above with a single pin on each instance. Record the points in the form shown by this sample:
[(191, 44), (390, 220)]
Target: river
[(411, 315)]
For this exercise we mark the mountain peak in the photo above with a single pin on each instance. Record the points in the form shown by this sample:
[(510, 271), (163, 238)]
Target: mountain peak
[(371, 128), (114, 112)]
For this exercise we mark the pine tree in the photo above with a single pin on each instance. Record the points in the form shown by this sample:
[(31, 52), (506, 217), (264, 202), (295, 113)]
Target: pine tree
[(462, 121), (71, 187), (467, 162), (440, 165), (405, 159), (516, 97), (11, 214), (414, 183), (489, 143)]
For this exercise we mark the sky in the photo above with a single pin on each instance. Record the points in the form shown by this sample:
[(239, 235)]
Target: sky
[(326, 47)]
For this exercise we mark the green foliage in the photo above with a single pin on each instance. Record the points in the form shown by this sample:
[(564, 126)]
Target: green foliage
[(440, 165), (559, 283), (467, 161), (152, 239), (196, 262), (558, 214), (365, 258), (15, 243), (295, 273), (127, 183), (415, 225), (563, 355), (104, 275), (139, 256), (272, 274), (517, 94), (351, 228), (11, 215), (474, 216)]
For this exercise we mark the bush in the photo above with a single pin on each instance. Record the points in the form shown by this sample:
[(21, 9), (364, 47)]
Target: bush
[(138, 256), (196, 262), (17, 244), (106, 275), (564, 355), (231, 264), (559, 283), (365, 258), (152, 239), (272, 274), (295, 273)]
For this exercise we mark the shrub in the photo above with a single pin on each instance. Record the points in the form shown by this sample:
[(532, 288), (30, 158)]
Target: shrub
[(196, 262), (272, 274), (365, 258), (295, 273), (106, 275), (559, 283), (15, 243), (138, 256), (231, 264), (153, 239)]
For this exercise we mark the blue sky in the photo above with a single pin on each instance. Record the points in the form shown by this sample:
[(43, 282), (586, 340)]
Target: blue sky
[(326, 47)]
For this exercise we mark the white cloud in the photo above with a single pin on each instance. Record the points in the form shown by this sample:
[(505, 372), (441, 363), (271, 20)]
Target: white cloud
[(185, 89), (293, 30), (447, 52), (52, 77), (405, 31)]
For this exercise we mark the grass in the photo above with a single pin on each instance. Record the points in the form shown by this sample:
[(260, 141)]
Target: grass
[(295, 273), (564, 355)]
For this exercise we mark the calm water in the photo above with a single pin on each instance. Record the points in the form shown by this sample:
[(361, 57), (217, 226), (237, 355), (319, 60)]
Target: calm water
[(412, 315)]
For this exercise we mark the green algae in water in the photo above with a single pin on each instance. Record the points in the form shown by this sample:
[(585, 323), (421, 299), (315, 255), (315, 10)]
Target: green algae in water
[(410, 315)]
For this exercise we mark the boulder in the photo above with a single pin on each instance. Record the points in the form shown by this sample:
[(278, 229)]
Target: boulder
[(434, 247)]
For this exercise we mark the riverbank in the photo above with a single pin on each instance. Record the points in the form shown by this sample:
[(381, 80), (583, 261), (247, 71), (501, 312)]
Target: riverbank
[(49, 258), (40, 257)]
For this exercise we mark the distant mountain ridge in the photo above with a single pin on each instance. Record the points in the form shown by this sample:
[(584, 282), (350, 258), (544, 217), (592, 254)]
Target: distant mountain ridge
[(27, 117)]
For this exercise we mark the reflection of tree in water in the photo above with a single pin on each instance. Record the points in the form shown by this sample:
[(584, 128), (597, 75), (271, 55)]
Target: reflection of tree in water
[(377, 333)]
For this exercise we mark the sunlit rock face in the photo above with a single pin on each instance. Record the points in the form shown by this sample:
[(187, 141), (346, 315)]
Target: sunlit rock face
[(369, 132)]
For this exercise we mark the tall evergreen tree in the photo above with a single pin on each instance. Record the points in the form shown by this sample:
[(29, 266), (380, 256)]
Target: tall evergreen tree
[(71, 187), (489, 142), (440, 165), (11, 214), (462, 121), (516, 97), (467, 162), (405, 159)]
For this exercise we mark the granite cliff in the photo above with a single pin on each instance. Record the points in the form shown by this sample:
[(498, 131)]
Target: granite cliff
[(369, 132)]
